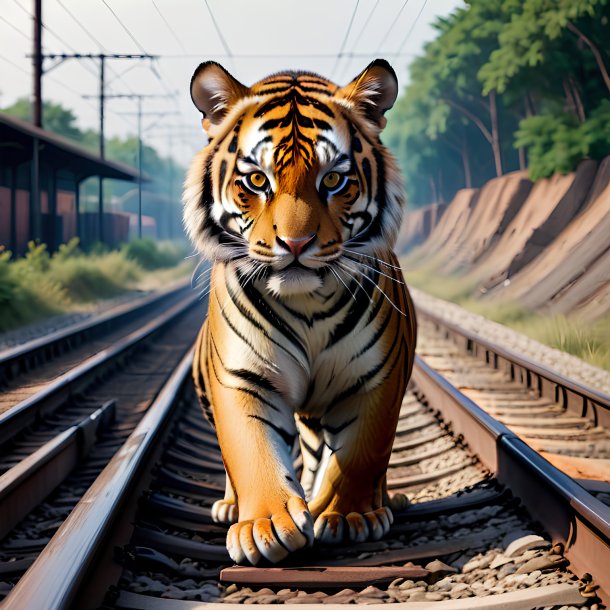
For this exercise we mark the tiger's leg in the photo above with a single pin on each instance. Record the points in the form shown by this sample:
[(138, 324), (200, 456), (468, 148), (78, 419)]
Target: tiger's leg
[(255, 441), (225, 510), (350, 503), (312, 446)]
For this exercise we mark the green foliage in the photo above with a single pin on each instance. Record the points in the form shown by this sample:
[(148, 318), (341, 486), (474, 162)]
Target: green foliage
[(37, 257), (39, 285), (68, 250), (536, 58), (152, 255), (556, 143)]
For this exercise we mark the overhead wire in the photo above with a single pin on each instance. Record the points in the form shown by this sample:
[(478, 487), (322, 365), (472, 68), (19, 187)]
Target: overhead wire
[(392, 26), (101, 47), (125, 28), (169, 27), (359, 36), (347, 33), (218, 31), (14, 27), (406, 38)]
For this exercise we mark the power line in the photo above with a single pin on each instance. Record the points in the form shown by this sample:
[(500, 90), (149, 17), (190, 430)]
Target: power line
[(14, 64), (265, 55), (169, 27), (50, 31), (81, 25), (222, 38), (127, 30), (349, 29), (406, 38), (394, 22), (14, 27), (87, 31), (359, 36)]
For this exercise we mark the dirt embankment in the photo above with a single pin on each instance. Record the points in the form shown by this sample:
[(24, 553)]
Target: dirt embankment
[(545, 245)]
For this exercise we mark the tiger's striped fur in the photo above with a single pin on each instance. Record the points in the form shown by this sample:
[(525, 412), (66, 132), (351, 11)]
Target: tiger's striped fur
[(310, 333)]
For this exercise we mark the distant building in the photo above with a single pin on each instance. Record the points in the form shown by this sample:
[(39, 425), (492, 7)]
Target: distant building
[(40, 175)]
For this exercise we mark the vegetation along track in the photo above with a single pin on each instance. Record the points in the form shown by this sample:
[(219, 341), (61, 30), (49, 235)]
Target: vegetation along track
[(490, 523), (59, 432)]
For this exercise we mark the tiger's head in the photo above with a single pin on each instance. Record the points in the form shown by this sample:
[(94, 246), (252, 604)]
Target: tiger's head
[(294, 181)]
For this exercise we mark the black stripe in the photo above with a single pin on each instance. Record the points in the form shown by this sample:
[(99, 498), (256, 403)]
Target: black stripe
[(336, 429), (286, 436), (252, 393), (353, 316), (236, 331), (364, 378), (376, 336), (253, 378), (259, 303)]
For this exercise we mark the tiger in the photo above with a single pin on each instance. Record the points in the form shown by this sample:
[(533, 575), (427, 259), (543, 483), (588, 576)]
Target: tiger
[(310, 332)]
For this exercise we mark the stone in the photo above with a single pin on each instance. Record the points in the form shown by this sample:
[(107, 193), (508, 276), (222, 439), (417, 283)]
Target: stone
[(438, 566), (499, 560), (525, 543), (543, 562)]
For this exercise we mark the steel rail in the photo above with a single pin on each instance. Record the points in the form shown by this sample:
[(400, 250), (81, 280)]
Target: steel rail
[(569, 513), (17, 358), (571, 394), (26, 485), (63, 573), (55, 393), (54, 579)]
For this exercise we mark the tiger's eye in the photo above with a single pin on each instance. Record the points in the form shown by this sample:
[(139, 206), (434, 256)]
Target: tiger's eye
[(258, 179), (331, 180)]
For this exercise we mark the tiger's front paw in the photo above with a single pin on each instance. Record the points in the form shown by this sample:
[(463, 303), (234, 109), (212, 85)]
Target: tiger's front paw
[(334, 528), (272, 538), (224, 511)]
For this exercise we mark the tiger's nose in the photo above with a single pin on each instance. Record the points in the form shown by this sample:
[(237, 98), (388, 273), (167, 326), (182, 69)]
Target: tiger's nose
[(296, 246)]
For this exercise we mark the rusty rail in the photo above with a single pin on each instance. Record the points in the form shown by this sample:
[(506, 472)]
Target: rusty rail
[(573, 396), (570, 514)]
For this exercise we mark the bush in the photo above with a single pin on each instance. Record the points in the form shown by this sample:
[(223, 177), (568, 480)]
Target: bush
[(40, 285), (150, 254), (556, 143)]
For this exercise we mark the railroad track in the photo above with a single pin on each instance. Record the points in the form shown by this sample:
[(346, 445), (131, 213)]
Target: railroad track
[(566, 422), (70, 405), (491, 523)]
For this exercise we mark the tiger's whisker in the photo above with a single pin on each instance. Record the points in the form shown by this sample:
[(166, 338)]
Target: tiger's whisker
[(388, 299), (334, 272), (374, 269), (373, 257), (347, 270)]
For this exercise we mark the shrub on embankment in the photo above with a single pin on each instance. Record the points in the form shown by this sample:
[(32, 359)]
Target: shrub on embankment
[(40, 284)]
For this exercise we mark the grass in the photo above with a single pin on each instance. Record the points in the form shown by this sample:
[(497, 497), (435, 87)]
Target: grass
[(41, 285), (588, 340)]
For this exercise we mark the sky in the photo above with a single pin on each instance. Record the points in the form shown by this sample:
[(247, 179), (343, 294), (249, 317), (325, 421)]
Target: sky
[(251, 38)]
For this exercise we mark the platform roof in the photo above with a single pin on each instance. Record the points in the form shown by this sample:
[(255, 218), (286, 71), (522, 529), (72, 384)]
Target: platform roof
[(16, 146)]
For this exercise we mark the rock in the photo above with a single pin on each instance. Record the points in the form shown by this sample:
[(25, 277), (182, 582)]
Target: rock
[(418, 596), (434, 597), (371, 591), (499, 560), (544, 562), (532, 577), (525, 543), (438, 566), (506, 569)]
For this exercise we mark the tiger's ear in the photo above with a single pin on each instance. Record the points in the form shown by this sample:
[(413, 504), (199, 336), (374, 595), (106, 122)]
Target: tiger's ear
[(373, 91), (214, 91)]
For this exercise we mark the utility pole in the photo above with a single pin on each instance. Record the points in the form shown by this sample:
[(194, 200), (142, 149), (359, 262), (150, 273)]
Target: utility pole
[(102, 57), (37, 64), (35, 223), (139, 98)]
